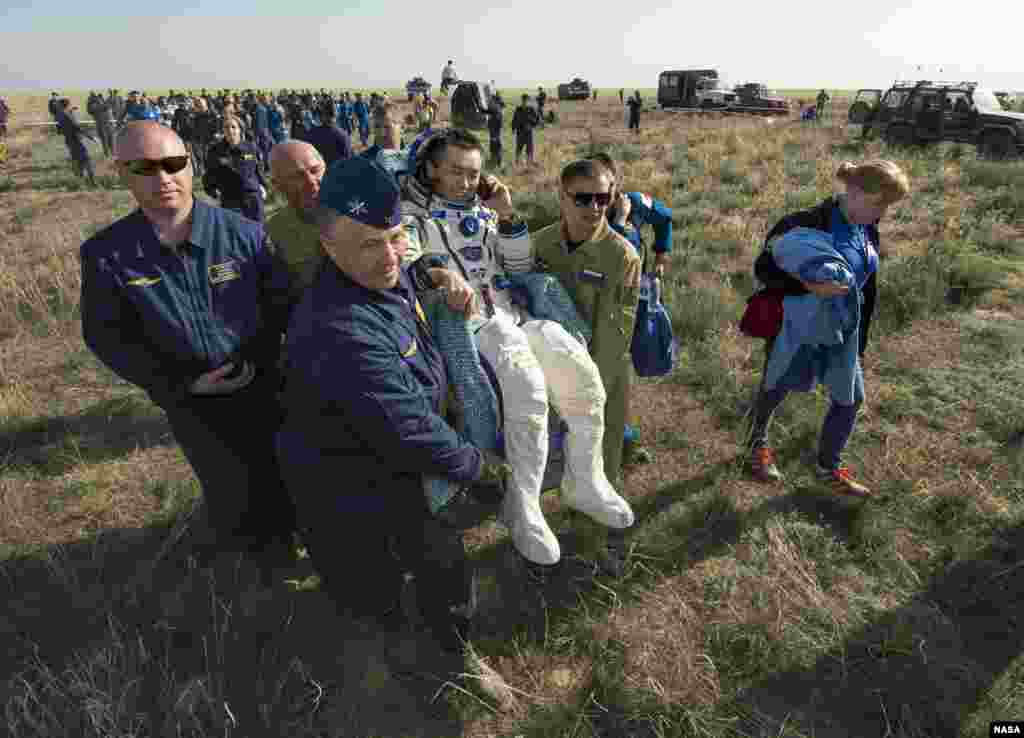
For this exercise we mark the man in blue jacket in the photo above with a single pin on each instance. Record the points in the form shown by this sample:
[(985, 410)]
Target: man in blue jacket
[(364, 394), (362, 113), (188, 302), (261, 129)]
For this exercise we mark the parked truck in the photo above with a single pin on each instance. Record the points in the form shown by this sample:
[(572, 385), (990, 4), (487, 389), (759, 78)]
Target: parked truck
[(693, 88), (578, 89)]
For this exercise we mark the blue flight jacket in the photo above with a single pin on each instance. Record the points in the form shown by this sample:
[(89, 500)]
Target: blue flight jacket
[(646, 210), (232, 172), (363, 393), (160, 320)]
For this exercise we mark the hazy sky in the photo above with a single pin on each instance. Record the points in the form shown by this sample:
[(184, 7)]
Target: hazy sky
[(367, 43)]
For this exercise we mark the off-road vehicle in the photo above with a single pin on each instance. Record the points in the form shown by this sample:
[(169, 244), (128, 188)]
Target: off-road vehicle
[(754, 97), (928, 112), (416, 86), (578, 89), (469, 106)]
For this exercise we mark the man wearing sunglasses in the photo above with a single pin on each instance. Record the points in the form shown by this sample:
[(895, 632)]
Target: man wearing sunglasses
[(189, 302), (453, 212), (601, 270)]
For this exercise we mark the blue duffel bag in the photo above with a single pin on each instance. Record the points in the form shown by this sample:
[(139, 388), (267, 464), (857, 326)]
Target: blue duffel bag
[(654, 347)]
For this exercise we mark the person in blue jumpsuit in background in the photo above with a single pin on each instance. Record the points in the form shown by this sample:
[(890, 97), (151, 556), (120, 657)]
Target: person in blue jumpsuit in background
[(188, 301), (362, 112), (261, 128), (277, 129), (345, 113), (628, 214), (364, 389), (233, 173)]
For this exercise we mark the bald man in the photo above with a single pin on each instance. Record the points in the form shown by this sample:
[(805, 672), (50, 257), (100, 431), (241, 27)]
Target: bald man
[(189, 302), (296, 169)]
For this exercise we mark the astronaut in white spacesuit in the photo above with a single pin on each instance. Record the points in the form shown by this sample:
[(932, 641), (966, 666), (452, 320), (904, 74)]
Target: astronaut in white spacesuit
[(449, 209)]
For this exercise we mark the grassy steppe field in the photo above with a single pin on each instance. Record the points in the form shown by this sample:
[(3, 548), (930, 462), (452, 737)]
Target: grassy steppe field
[(746, 610)]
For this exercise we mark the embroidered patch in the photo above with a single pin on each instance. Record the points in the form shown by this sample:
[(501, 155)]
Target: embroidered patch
[(472, 253), (357, 207), (591, 277), (224, 272), (143, 281), (647, 201)]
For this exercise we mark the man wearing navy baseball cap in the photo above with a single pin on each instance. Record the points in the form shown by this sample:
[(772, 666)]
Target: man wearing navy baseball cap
[(365, 384)]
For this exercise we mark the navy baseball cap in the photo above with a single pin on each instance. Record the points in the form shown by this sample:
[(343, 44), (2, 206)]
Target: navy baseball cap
[(362, 190)]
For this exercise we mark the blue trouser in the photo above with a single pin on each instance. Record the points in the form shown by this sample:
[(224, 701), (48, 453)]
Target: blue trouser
[(835, 430), (364, 131), (362, 555), (235, 461)]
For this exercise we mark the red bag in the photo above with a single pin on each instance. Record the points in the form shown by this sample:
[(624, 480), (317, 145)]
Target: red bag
[(763, 315)]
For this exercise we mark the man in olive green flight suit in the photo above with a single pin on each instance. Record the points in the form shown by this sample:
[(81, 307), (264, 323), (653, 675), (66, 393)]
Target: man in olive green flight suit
[(296, 169), (601, 271)]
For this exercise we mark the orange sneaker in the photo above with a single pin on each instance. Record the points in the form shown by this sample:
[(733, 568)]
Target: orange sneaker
[(841, 482), (762, 464)]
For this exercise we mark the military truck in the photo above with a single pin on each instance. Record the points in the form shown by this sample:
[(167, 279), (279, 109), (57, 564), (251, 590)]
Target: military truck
[(469, 105), (927, 111), (693, 88), (754, 97), (578, 89), (416, 86)]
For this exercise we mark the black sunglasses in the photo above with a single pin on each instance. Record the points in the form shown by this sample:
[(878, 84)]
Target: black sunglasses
[(149, 167), (584, 199)]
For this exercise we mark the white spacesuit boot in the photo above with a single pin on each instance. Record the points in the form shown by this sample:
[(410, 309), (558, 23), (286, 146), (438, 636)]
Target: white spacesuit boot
[(525, 400), (577, 393)]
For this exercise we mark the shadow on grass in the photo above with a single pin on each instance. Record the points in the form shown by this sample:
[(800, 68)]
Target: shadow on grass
[(93, 636), (107, 430), (918, 670)]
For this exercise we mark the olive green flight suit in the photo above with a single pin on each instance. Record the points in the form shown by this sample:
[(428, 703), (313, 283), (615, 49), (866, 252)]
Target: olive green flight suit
[(299, 245), (603, 278)]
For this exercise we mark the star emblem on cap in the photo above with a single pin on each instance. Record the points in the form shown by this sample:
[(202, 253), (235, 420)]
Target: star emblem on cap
[(357, 207)]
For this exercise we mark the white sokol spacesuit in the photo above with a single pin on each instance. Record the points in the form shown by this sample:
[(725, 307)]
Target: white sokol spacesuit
[(534, 360)]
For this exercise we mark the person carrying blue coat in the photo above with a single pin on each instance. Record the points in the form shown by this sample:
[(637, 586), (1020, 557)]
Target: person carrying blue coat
[(820, 338), (188, 301), (827, 283), (365, 392)]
